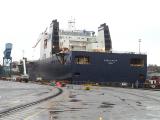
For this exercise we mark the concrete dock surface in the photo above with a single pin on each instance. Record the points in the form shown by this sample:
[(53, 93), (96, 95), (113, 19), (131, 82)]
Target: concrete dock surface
[(98, 103)]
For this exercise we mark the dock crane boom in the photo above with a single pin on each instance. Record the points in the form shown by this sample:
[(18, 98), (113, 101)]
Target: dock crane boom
[(40, 38)]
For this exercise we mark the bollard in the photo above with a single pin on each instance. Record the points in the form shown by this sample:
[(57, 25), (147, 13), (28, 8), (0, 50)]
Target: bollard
[(87, 88), (132, 85)]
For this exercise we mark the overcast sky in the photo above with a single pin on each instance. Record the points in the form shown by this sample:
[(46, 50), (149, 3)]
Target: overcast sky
[(21, 22)]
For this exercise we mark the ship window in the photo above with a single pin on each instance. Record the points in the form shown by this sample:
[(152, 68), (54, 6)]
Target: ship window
[(45, 43), (137, 62), (141, 77), (44, 56), (82, 60), (77, 74)]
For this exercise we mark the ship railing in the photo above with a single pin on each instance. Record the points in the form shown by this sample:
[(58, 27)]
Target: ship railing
[(76, 33), (44, 60), (119, 52), (127, 52), (133, 85)]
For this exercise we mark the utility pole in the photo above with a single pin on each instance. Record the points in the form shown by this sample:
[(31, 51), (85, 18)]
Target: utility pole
[(139, 45), (22, 53)]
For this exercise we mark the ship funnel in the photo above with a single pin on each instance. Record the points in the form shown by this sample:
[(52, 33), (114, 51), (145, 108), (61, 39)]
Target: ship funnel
[(71, 24)]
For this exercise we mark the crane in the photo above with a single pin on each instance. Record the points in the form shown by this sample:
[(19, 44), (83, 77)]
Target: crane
[(7, 59), (40, 38)]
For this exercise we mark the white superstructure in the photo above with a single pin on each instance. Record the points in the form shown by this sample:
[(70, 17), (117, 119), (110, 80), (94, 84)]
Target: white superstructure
[(72, 40), (77, 40)]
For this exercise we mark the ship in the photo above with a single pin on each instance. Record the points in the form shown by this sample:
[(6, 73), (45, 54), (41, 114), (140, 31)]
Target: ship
[(82, 56)]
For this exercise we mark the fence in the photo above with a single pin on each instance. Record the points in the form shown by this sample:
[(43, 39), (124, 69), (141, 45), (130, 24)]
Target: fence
[(118, 84)]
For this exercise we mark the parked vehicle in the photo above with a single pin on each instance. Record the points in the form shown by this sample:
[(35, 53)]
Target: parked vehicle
[(124, 84), (153, 82)]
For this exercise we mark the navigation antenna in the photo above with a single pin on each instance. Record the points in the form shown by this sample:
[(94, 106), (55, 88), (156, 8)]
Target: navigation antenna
[(71, 24)]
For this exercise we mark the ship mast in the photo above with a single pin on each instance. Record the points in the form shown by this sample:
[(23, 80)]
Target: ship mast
[(71, 24)]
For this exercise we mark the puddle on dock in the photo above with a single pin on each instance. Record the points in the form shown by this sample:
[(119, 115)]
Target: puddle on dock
[(74, 100), (106, 105), (139, 103), (72, 96), (53, 114)]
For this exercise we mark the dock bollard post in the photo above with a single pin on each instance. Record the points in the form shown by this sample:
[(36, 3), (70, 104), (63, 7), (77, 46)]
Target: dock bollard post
[(132, 85)]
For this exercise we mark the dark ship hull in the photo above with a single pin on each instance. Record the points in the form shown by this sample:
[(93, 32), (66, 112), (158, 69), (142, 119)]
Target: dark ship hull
[(81, 66)]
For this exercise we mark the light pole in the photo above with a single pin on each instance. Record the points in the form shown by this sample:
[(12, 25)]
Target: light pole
[(139, 45)]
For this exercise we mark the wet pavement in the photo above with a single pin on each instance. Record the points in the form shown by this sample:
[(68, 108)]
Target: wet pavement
[(99, 103)]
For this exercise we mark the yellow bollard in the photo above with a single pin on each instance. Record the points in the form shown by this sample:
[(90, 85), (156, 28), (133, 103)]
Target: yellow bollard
[(100, 118), (87, 88)]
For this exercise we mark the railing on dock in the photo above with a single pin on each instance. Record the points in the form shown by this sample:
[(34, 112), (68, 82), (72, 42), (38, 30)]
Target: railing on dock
[(145, 85)]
